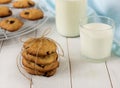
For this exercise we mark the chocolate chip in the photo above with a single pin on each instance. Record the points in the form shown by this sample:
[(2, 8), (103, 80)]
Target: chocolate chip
[(27, 47), (10, 11), (42, 66), (12, 21), (45, 74), (48, 53), (26, 13), (30, 3)]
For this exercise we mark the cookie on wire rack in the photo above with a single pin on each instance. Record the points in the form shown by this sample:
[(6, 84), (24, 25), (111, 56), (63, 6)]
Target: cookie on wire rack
[(5, 11), (5, 1), (11, 24), (23, 3), (32, 14)]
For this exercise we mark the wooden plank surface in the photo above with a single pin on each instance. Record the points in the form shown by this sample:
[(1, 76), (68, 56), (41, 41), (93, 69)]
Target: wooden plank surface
[(86, 74), (10, 77), (1, 43), (113, 67)]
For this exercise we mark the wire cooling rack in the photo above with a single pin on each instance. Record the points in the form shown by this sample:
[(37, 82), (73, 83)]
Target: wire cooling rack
[(28, 26)]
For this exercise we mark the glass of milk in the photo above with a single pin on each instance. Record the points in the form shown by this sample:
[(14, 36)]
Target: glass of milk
[(68, 16), (96, 38)]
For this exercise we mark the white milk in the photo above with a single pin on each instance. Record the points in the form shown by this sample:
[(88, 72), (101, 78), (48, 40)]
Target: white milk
[(96, 40), (68, 16)]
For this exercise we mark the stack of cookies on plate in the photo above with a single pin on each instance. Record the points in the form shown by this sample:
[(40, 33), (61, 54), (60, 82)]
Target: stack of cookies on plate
[(39, 56)]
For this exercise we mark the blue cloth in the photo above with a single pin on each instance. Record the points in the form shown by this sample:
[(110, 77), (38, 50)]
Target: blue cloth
[(108, 8), (47, 5), (50, 5)]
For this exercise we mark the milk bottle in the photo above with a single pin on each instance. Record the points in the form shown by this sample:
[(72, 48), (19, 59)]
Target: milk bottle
[(68, 16)]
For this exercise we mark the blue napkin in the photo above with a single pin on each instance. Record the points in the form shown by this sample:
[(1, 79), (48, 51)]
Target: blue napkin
[(47, 6), (50, 5)]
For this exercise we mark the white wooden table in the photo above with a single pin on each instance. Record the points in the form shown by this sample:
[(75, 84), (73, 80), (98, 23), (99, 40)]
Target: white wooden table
[(73, 71)]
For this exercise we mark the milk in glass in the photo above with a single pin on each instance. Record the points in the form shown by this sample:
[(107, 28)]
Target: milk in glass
[(96, 40), (68, 16)]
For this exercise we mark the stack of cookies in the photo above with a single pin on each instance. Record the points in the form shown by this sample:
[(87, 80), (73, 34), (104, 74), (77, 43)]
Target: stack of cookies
[(39, 56)]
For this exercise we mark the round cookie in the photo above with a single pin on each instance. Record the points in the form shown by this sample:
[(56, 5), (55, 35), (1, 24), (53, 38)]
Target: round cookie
[(23, 4), (42, 60), (40, 46), (33, 72), (5, 11), (41, 68), (32, 14), (11, 24), (5, 1)]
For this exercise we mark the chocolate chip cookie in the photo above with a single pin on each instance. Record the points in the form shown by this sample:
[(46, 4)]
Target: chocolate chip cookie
[(41, 60), (40, 46), (36, 72), (5, 1), (5, 11), (11, 24), (41, 68), (32, 14), (23, 3)]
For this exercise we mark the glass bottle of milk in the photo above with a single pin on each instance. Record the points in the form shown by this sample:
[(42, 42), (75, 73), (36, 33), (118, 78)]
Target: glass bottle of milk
[(96, 38), (68, 16)]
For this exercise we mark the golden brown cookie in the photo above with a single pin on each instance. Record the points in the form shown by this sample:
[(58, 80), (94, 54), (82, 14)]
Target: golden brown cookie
[(23, 3), (41, 68), (5, 11), (42, 60), (5, 1), (33, 72), (32, 14), (11, 24), (40, 46), (36, 72)]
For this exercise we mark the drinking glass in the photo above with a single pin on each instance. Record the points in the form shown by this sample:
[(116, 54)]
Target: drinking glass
[(96, 38)]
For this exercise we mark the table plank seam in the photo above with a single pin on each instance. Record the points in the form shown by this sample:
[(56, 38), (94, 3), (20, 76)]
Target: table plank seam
[(109, 75), (69, 63), (1, 45)]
